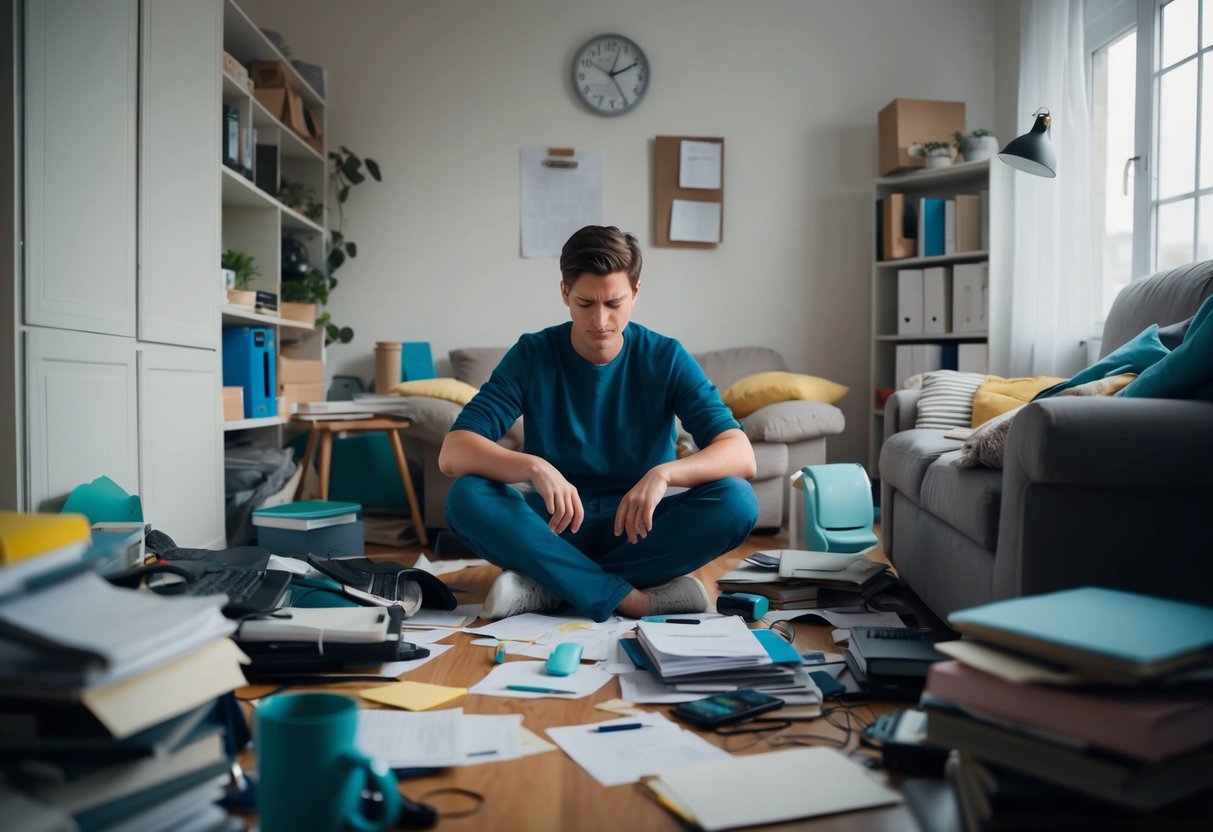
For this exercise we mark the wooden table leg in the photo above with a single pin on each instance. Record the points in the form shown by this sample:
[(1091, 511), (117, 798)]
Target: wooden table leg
[(326, 462), (403, 464), (308, 456)]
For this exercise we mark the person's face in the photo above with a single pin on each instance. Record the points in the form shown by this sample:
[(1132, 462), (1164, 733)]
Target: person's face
[(600, 306)]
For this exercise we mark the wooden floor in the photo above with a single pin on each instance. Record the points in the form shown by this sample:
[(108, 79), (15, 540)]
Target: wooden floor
[(549, 791)]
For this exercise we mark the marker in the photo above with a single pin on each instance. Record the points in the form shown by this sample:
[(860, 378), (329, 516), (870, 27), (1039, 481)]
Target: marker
[(499, 657), (682, 621), (629, 726), (535, 689)]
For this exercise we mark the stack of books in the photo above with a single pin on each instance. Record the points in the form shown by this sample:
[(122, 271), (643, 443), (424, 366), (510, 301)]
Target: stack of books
[(891, 660), (1078, 705), (105, 693), (323, 528), (793, 579)]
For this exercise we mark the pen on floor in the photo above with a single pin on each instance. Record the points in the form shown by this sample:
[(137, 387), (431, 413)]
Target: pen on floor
[(499, 657), (682, 621), (607, 729), (535, 689)]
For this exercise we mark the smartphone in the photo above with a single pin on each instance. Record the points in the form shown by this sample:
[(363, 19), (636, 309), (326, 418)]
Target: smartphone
[(726, 708)]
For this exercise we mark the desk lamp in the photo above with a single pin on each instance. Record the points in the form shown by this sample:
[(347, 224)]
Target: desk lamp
[(1032, 152)]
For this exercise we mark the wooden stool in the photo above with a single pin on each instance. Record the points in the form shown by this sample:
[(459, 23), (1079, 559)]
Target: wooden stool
[(322, 435)]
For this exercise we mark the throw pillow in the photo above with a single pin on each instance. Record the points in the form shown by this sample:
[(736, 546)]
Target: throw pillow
[(753, 392), (1131, 357), (999, 395), (986, 445), (1186, 373), (451, 389), (946, 400)]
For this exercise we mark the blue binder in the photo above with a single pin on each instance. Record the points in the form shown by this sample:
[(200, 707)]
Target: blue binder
[(249, 361)]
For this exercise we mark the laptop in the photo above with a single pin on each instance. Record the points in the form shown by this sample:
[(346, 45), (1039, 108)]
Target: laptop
[(249, 590), (388, 581)]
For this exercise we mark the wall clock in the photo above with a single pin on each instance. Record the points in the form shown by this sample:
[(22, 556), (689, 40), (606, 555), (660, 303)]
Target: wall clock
[(610, 74)]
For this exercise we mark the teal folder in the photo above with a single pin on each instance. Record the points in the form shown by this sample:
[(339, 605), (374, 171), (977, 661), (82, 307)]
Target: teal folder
[(1122, 633), (309, 509)]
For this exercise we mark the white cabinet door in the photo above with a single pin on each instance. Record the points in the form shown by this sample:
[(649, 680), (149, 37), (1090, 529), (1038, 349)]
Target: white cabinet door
[(179, 283), (80, 171), (80, 413), (181, 443)]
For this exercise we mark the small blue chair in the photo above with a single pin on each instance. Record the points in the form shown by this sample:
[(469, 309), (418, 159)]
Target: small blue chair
[(838, 511)]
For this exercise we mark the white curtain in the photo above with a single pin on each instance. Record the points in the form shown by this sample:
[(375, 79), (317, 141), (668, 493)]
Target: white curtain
[(1051, 303)]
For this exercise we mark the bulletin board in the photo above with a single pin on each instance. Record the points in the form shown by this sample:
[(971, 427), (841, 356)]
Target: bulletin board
[(666, 155)]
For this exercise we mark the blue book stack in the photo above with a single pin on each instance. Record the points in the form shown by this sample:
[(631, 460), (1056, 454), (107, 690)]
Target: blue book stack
[(324, 528)]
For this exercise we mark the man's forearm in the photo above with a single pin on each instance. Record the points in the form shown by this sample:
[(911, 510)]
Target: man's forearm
[(729, 455), (464, 452)]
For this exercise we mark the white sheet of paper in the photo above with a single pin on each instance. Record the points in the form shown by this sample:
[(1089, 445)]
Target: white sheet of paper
[(408, 739), (296, 566), (491, 738), (779, 786), (445, 567), (425, 636), (695, 222), (620, 757), (436, 618), (842, 617), (556, 201), (643, 688), (532, 743), (699, 164), (724, 636), (584, 682), (397, 668)]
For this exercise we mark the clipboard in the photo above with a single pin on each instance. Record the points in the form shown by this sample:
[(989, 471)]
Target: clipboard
[(666, 154)]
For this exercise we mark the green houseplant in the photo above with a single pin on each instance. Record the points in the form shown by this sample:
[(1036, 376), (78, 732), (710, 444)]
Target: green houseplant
[(934, 154), (345, 173), (245, 270), (975, 146)]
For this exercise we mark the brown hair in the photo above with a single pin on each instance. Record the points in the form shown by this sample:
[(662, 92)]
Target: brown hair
[(600, 250)]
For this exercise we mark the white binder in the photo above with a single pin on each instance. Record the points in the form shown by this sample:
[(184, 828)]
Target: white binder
[(970, 283), (909, 302), (936, 300)]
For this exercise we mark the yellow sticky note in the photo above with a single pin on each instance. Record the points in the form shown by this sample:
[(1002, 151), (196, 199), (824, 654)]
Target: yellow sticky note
[(575, 625), (412, 696)]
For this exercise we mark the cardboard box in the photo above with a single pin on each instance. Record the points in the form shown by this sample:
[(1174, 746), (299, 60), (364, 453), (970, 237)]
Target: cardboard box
[(285, 105), (235, 69), (300, 370), (302, 312), (233, 403), (294, 394), (270, 74), (907, 121)]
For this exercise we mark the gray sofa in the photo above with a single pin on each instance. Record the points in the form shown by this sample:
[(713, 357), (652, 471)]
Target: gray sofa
[(1112, 491), (786, 436)]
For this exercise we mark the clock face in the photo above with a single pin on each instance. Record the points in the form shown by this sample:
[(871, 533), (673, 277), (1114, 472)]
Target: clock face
[(610, 74)]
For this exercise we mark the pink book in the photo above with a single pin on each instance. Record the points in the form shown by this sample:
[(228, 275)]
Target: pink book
[(1126, 721)]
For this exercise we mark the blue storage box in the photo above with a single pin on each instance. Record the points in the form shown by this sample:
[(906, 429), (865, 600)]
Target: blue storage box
[(330, 541), (416, 361)]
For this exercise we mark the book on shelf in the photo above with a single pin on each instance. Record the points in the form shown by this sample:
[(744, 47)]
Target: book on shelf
[(306, 515), (931, 226), (1105, 633), (968, 223), (899, 227), (1142, 724), (949, 226), (1064, 762)]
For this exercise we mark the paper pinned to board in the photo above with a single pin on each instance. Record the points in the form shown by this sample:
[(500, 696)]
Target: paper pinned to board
[(699, 164), (695, 222), (556, 201)]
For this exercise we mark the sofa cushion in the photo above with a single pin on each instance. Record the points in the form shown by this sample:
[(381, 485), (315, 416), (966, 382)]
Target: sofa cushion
[(795, 421), (746, 395), (968, 500), (998, 395), (724, 367), (475, 364), (906, 456), (946, 400), (1162, 299), (771, 460)]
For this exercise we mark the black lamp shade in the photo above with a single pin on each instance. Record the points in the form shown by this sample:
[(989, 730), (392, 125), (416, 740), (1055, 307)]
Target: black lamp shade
[(1032, 152)]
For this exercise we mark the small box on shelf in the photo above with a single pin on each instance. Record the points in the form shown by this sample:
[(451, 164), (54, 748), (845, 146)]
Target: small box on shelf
[(302, 312), (233, 404), (907, 121), (301, 371)]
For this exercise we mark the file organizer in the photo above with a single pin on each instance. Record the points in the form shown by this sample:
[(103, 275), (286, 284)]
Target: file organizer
[(249, 362)]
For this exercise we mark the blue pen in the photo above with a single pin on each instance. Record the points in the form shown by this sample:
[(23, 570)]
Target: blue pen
[(535, 689), (628, 726)]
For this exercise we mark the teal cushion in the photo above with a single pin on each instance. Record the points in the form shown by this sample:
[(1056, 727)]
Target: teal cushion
[(1185, 373), (1132, 357)]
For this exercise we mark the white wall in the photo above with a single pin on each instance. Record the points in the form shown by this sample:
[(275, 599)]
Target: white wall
[(444, 93)]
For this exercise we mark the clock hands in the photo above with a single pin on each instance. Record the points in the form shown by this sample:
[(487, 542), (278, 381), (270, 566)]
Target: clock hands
[(625, 69), (616, 83)]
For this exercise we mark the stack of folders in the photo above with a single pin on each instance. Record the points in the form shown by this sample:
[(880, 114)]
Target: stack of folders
[(721, 654), (1084, 705), (892, 660), (104, 694), (324, 528), (796, 579)]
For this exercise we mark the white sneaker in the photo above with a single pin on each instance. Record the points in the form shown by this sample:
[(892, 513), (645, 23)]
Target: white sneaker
[(683, 594), (514, 593)]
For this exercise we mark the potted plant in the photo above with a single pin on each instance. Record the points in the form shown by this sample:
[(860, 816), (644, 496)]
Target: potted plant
[(934, 154), (346, 173), (244, 269), (975, 146)]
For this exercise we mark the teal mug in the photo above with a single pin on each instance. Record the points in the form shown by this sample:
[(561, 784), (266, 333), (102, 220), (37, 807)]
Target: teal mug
[(311, 773)]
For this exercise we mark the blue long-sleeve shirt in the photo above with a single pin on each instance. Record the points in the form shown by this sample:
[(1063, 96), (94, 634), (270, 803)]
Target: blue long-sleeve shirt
[(603, 427)]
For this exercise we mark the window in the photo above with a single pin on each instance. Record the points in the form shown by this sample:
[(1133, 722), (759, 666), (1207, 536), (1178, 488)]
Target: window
[(1151, 74)]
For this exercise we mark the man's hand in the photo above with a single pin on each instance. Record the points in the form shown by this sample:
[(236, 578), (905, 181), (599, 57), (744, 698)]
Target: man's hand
[(635, 514), (560, 497)]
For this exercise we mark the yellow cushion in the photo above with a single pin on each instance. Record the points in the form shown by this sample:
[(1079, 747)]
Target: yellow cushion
[(762, 389), (998, 395), (451, 389)]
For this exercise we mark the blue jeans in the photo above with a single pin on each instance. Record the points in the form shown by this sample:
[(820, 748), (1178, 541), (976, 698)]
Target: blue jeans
[(593, 570)]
